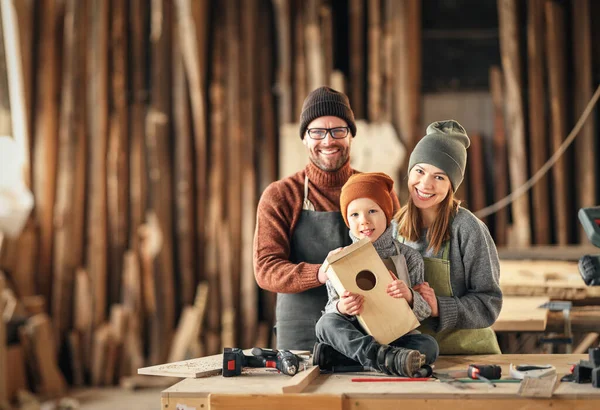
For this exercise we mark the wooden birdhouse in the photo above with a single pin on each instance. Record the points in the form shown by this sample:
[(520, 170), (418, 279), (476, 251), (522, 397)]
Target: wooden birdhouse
[(359, 269)]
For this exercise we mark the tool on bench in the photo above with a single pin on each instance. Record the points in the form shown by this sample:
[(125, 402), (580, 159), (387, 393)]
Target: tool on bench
[(589, 265), (530, 370), (485, 372), (588, 370), (234, 360)]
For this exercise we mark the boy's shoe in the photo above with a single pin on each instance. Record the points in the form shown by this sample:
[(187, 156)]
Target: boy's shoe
[(326, 357), (399, 361), (408, 362)]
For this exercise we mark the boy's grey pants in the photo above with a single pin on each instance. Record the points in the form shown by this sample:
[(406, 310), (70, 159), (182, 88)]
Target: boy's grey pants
[(349, 338)]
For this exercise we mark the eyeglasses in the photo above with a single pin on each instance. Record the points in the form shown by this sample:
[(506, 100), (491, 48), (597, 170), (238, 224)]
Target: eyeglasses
[(337, 133)]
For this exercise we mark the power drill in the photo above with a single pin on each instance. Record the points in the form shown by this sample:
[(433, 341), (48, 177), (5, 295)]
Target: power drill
[(588, 370), (589, 265), (484, 372), (234, 360)]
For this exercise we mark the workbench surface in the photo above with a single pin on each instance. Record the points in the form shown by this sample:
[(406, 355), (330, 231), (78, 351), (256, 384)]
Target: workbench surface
[(261, 388)]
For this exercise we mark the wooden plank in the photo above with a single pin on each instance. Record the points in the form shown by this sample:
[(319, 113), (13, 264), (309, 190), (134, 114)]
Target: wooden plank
[(283, 86), (476, 172), (301, 380), (583, 319), (557, 76), (300, 88), (326, 20), (248, 306), (216, 182), (15, 361), (588, 341), (117, 171), (356, 20), (537, 120), (387, 60), (556, 279), (517, 164), (550, 252), (138, 40), (3, 341), (16, 77), (582, 88), (374, 60), (160, 166), (70, 185), (194, 40), (522, 314), (184, 179), (291, 402), (46, 137), (500, 162), (40, 331), (200, 367), (97, 250), (315, 58)]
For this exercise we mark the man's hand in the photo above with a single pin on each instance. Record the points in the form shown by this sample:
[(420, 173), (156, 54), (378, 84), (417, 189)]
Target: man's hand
[(350, 304), (429, 295), (322, 275), (398, 289)]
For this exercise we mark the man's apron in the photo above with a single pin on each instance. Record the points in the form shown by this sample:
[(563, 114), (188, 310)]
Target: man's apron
[(454, 341), (315, 235)]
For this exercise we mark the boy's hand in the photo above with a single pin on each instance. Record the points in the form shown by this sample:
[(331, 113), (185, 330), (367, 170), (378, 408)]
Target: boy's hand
[(399, 289), (322, 275), (429, 295), (350, 304)]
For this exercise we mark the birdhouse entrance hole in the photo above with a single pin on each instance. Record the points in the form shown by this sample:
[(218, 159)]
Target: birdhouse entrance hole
[(365, 280)]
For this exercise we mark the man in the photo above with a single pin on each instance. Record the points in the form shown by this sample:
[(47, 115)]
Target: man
[(299, 220)]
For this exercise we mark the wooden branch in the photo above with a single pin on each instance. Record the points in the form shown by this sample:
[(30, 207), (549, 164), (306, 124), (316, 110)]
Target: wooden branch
[(511, 65), (557, 77), (97, 250), (537, 119)]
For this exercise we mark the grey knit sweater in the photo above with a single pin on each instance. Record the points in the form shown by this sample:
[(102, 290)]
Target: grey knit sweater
[(385, 246), (474, 275)]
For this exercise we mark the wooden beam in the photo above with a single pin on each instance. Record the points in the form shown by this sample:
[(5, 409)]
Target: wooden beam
[(300, 88), (315, 58), (557, 77), (283, 86), (537, 120), (511, 65), (588, 341)]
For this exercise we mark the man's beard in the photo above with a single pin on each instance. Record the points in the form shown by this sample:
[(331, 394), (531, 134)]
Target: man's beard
[(328, 165)]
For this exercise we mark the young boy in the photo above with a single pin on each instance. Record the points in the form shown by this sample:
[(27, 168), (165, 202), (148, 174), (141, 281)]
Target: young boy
[(366, 205)]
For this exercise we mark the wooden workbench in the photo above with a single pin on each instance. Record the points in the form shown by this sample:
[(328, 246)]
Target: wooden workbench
[(264, 389)]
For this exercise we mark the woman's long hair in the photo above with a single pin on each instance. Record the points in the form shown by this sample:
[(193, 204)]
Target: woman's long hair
[(410, 223)]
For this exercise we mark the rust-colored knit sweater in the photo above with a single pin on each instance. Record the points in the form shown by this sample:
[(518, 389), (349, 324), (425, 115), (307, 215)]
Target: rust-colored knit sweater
[(278, 211)]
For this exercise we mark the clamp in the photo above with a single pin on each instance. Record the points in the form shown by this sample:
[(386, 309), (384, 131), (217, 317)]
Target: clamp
[(567, 337)]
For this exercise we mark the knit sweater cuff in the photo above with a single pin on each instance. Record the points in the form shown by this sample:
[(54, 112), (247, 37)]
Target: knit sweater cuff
[(311, 279), (448, 313)]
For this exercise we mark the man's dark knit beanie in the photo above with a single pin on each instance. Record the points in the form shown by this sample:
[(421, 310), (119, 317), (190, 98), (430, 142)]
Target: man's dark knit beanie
[(324, 102), (444, 146)]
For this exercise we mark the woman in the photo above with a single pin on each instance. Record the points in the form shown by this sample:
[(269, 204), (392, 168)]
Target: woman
[(461, 262)]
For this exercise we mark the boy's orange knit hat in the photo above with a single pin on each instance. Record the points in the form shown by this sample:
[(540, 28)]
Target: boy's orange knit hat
[(376, 186)]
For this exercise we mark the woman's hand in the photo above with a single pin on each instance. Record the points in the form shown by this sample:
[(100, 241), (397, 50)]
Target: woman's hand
[(350, 304), (322, 275), (429, 295), (399, 289)]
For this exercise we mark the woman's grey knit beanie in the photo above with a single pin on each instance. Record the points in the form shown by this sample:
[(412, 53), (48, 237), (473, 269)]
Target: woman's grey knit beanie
[(444, 146)]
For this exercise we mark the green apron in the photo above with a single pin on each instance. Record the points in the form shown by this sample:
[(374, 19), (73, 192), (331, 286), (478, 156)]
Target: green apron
[(454, 341)]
